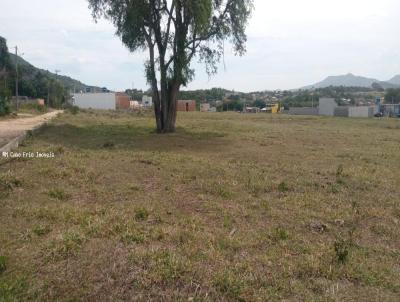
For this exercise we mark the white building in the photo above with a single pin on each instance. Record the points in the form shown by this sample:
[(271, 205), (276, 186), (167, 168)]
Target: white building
[(147, 101), (95, 100)]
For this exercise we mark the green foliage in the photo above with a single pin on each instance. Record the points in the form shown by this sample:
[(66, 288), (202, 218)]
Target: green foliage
[(175, 32), (32, 82), (141, 214), (4, 101), (341, 248), (309, 98), (393, 96), (59, 194), (74, 110)]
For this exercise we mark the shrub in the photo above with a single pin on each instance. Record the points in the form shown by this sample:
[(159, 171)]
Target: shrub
[(73, 110), (58, 194), (141, 214), (283, 187), (341, 248), (4, 101), (35, 107), (3, 266)]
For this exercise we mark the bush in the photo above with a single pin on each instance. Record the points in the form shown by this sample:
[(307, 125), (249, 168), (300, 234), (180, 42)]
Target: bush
[(73, 110), (4, 101), (35, 107)]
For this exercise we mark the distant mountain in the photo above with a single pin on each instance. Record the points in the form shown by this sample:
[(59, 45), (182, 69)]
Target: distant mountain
[(395, 80), (28, 72), (351, 80)]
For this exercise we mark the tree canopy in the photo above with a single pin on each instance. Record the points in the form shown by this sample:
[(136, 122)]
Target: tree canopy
[(174, 32)]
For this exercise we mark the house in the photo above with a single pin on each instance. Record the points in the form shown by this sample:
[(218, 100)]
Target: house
[(186, 105)]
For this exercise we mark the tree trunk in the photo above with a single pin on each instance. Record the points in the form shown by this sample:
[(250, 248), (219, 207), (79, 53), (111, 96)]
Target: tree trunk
[(168, 107)]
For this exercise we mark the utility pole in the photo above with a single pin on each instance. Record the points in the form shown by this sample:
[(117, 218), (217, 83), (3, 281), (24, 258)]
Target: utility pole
[(16, 77), (57, 71)]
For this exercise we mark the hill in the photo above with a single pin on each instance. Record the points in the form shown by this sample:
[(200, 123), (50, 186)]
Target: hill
[(351, 80), (29, 72), (395, 80)]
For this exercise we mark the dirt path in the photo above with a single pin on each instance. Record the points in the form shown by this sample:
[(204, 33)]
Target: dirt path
[(12, 128)]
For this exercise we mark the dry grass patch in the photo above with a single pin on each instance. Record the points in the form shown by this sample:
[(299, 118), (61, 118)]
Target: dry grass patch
[(229, 208)]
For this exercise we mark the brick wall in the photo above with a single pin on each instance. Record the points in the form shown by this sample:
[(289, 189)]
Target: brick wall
[(186, 105)]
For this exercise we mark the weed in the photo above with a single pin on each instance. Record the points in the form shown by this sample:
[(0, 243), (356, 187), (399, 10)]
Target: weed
[(59, 194), (224, 193), (74, 110), (279, 234), (8, 182), (342, 248), (228, 284), (3, 265), (41, 230), (283, 187), (131, 236), (68, 245), (168, 266), (108, 145), (141, 214), (228, 222)]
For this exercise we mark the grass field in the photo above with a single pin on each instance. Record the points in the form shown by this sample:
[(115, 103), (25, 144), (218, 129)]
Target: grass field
[(232, 207)]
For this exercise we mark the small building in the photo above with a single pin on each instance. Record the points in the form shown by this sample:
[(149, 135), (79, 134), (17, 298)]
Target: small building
[(147, 101), (123, 101), (205, 107), (252, 110), (186, 105), (327, 106)]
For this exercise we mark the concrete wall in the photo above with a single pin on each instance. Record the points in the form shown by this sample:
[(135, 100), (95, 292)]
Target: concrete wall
[(327, 106), (362, 111), (341, 111), (303, 111), (95, 100)]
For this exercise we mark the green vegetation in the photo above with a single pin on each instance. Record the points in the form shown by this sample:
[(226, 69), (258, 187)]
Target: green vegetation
[(342, 95), (5, 65), (230, 207), (392, 96)]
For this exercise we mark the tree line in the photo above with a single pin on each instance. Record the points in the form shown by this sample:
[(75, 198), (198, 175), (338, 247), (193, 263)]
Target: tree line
[(32, 82)]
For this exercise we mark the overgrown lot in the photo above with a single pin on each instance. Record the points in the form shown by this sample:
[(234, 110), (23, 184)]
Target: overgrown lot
[(232, 207)]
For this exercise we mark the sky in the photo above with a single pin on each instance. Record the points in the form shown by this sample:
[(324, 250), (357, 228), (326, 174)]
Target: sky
[(291, 43)]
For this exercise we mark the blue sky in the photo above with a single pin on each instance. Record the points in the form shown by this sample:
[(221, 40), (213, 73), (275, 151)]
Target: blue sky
[(291, 43)]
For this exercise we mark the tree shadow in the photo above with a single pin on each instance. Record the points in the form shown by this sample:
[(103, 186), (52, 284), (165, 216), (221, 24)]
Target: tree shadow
[(128, 137)]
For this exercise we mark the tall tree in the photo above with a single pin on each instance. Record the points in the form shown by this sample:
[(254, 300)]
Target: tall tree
[(174, 32), (5, 68)]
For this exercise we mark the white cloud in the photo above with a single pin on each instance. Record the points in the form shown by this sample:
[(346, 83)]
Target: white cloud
[(291, 43)]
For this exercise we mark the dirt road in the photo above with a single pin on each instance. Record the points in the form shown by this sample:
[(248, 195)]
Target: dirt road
[(12, 128)]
